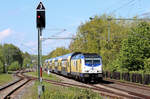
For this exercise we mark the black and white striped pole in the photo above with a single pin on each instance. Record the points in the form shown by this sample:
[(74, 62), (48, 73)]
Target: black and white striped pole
[(40, 23)]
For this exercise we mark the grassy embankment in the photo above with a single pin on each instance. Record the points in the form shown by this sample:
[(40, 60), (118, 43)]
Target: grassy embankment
[(59, 92), (5, 78), (45, 76)]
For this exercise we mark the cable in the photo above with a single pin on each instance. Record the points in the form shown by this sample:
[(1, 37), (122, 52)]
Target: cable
[(146, 14), (123, 6), (131, 7), (118, 2)]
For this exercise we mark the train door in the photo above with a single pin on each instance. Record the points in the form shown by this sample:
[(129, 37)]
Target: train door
[(80, 64), (77, 64), (68, 66)]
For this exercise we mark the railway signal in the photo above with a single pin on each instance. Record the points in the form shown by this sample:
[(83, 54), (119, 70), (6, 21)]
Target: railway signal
[(40, 16), (40, 24)]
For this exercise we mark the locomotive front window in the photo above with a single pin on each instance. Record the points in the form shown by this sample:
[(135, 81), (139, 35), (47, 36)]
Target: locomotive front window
[(88, 62), (96, 61)]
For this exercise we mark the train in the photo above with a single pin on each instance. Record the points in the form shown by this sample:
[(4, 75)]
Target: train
[(85, 67)]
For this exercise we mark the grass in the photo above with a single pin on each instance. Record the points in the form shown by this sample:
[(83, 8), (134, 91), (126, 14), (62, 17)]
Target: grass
[(45, 76), (59, 92), (5, 78)]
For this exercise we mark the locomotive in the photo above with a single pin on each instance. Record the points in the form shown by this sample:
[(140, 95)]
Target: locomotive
[(85, 67)]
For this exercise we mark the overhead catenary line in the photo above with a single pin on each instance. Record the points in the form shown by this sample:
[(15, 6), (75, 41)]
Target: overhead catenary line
[(58, 38), (131, 1), (109, 19), (142, 19)]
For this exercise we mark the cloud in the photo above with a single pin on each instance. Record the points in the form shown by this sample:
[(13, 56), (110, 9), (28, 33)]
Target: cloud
[(32, 46), (5, 33)]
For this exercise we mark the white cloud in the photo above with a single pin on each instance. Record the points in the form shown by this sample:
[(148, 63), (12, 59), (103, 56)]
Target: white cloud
[(31, 46), (5, 33)]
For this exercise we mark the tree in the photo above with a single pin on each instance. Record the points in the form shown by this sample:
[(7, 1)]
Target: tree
[(1, 59), (11, 53), (57, 52), (13, 66), (136, 48), (92, 37)]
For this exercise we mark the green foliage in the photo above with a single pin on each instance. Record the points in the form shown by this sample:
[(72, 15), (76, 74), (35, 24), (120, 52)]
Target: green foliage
[(136, 48), (147, 65), (128, 47), (5, 78), (1, 59), (14, 66), (1, 66), (10, 55), (26, 62), (89, 36), (57, 52), (92, 37), (59, 92), (45, 76)]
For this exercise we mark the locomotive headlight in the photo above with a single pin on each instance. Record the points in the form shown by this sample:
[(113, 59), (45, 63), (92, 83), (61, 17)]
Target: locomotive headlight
[(86, 70), (86, 75), (98, 71)]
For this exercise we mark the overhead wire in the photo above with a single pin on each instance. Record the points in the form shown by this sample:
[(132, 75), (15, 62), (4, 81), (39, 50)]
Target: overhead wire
[(107, 9), (122, 6), (131, 5)]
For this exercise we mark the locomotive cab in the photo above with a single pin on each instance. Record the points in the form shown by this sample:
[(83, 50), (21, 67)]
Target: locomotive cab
[(92, 67)]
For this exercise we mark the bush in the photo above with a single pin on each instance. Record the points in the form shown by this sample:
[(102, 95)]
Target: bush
[(14, 66), (135, 53), (147, 65), (1, 67)]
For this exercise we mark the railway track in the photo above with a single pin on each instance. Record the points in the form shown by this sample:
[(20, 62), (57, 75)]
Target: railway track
[(124, 92), (141, 91), (103, 91), (133, 85), (9, 91), (106, 89)]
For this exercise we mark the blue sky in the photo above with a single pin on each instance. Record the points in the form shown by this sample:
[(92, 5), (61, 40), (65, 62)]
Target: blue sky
[(18, 19)]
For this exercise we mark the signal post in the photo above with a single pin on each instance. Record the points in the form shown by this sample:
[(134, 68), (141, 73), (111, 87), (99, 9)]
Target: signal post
[(40, 24)]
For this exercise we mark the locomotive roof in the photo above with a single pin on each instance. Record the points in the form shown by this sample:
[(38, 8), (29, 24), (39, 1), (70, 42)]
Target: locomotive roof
[(70, 55), (64, 57), (86, 55)]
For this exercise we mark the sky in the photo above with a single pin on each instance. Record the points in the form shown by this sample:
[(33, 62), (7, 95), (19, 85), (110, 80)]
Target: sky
[(18, 19)]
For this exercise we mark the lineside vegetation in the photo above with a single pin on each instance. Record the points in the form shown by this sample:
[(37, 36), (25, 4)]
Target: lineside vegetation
[(59, 92), (12, 58), (5, 78), (45, 76), (127, 49)]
